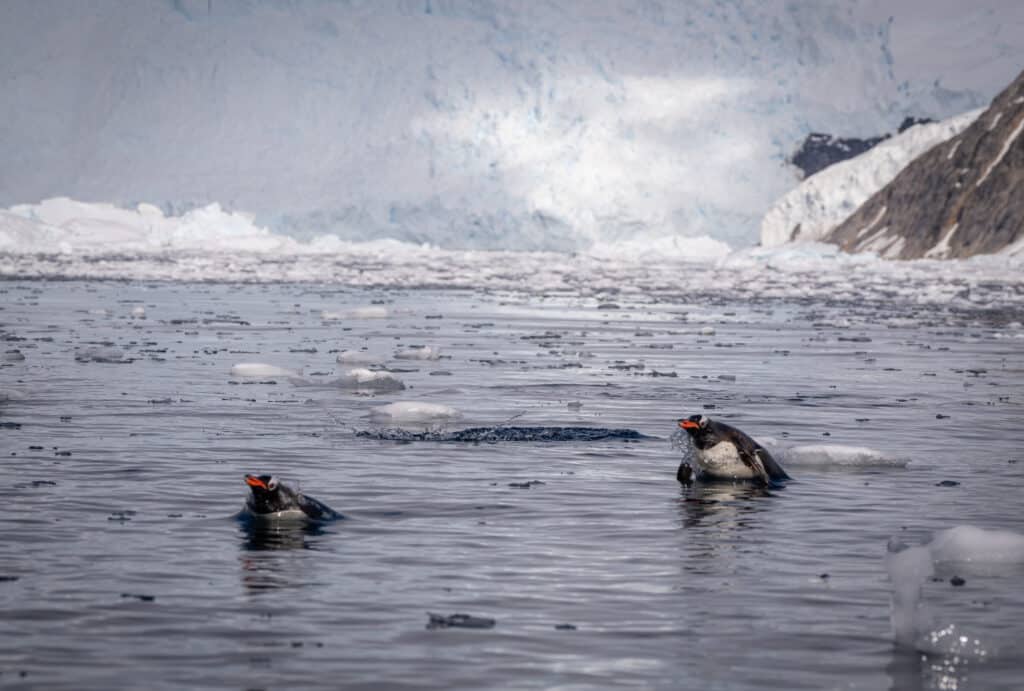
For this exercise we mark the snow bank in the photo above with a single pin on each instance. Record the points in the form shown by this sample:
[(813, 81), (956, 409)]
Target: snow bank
[(824, 200), (414, 411)]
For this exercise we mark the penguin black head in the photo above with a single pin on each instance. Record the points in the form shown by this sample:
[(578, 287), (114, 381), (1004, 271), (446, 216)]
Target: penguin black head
[(262, 484), (695, 424), (266, 493)]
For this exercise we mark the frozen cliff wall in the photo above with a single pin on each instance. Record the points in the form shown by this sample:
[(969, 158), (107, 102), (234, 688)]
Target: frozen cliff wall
[(471, 123)]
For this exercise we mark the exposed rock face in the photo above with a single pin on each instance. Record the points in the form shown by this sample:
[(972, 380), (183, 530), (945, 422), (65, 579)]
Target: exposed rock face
[(820, 150), (962, 197)]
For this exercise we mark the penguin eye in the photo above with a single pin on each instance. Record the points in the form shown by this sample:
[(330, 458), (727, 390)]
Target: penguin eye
[(272, 484), (703, 421)]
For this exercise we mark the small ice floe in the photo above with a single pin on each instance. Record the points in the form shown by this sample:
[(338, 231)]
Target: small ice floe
[(260, 369), (707, 331), (359, 357), (419, 353), (372, 312), (108, 354), (961, 550), (836, 456), (99, 312), (414, 411), (138, 312), (361, 378)]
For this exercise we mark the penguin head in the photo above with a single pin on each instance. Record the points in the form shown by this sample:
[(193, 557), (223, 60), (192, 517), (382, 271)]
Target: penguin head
[(263, 487), (695, 424)]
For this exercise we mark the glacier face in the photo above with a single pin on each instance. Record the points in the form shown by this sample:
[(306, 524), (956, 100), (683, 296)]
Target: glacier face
[(551, 125)]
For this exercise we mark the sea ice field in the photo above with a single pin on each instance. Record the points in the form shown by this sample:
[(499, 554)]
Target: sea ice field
[(499, 432)]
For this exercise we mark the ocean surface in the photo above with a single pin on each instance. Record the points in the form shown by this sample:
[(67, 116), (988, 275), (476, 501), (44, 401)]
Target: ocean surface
[(893, 396)]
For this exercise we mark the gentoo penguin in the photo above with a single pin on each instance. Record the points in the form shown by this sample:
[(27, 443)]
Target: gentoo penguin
[(725, 453), (271, 499)]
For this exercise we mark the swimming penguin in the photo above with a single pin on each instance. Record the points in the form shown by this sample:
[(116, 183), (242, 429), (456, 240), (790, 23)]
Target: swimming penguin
[(726, 453), (272, 499)]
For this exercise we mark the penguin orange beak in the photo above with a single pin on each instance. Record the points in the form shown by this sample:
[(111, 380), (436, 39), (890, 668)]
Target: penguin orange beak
[(254, 481), (688, 424)]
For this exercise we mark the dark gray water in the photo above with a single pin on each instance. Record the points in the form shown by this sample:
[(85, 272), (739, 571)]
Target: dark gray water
[(125, 441)]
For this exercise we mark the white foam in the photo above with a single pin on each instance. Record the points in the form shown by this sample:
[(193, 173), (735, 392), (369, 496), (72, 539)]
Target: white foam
[(259, 369), (414, 411)]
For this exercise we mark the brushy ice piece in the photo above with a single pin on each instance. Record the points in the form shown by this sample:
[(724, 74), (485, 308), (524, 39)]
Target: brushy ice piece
[(362, 378), (138, 312), (913, 622), (836, 456), (359, 357), (421, 353), (260, 369), (414, 411)]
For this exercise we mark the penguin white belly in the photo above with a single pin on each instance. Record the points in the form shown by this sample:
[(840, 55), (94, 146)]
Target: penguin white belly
[(723, 461), (286, 515)]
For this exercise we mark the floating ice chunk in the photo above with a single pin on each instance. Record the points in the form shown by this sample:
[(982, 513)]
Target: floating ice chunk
[(358, 357), (138, 312), (420, 353), (910, 568), (414, 411), (259, 369), (374, 312), (361, 378), (967, 543), (837, 456), (329, 316), (707, 331)]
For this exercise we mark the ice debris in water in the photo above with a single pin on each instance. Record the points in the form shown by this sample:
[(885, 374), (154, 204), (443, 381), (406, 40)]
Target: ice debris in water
[(362, 378), (138, 312), (910, 568), (8, 395), (414, 411), (836, 456), (100, 354), (259, 369), (420, 353), (359, 357), (373, 312), (506, 434)]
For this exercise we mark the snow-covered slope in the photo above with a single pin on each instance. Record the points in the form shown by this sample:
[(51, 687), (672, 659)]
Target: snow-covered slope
[(824, 200), (554, 124)]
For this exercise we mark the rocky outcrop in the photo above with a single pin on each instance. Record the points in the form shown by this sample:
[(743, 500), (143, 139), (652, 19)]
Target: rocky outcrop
[(962, 197), (819, 150)]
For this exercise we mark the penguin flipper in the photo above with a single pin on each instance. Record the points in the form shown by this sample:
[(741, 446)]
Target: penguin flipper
[(755, 462), (316, 509), (772, 469)]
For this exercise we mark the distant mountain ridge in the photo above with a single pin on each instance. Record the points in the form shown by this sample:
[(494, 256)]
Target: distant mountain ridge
[(962, 197)]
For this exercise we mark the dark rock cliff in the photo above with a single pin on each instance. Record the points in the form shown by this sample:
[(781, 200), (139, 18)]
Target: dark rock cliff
[(960, 198)]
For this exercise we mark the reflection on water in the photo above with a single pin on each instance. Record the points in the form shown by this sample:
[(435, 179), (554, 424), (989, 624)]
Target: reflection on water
[(268, 552), (726, 505)]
